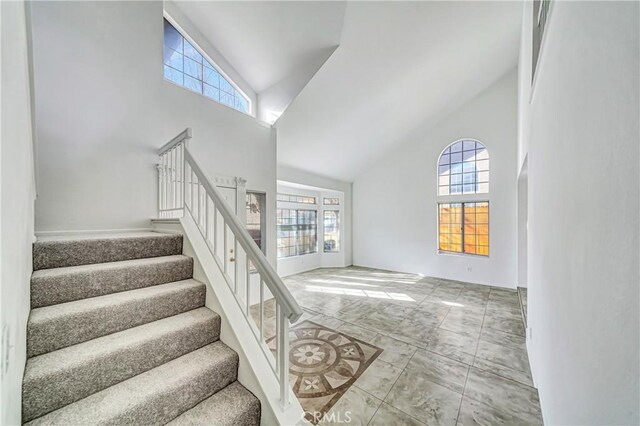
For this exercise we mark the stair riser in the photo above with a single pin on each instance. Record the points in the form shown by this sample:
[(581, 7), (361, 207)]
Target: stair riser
[(143, 400), (234, 405), (49, 392), (76, 327), (77, 285), (56, 254)]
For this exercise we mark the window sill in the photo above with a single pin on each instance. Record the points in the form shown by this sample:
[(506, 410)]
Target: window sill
[(453, 253)]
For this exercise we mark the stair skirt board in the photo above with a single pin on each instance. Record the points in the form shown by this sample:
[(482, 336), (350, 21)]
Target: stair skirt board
[(118, 334)]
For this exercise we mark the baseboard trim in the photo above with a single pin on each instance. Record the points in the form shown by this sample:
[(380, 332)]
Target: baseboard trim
[(90, 232)]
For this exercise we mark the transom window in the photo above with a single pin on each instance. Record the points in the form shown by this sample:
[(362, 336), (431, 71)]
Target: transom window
[(297, 232), (464, 227), (463, 168), (331, 201), (185, 65), (290, 198)]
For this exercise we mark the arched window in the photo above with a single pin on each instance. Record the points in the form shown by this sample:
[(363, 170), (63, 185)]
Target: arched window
[(463, 168), (463, 224)]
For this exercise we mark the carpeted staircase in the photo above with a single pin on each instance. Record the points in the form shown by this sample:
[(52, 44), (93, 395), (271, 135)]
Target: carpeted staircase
[(118, 334)]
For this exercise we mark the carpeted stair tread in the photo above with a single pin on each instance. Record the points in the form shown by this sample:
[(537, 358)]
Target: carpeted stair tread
[(57, 253), (54, 327), (58, 378), (66, 284), (156, 396), (232, 406)]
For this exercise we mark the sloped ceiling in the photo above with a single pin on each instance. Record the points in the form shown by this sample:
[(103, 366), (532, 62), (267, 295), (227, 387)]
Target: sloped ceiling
[(276, 46), (399, 64)]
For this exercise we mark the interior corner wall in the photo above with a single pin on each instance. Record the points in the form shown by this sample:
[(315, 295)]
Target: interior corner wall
[(17, 210), (103, 109), (395, 203), (584, 184), (290, 174)]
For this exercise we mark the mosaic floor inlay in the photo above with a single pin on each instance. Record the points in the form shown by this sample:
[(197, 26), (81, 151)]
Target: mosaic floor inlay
[(324, 363)]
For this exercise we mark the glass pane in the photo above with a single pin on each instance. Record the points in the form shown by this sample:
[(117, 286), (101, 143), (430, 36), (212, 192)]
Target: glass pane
[(224, 85), (331, 231), (172, 38), (482, 165), (173, 75), (227, 99), (456, 157), (469, 178), (468, 156), (456, 147), (192, 84), (193, 68), (241, 103), (444, 159), (212, 92), (482, 154), (443, 190), (191, 52), (443, 170), (483, 188), (173, 58), (211, 76), (469, 145)]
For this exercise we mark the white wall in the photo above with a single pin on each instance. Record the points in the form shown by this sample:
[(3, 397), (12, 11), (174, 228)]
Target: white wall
[(17, 214), (395, 203), (103, 109), (583, 168)]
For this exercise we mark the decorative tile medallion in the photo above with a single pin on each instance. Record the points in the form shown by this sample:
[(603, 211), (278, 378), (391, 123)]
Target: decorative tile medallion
[(324, 363)]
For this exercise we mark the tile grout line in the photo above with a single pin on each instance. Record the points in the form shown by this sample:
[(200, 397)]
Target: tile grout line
[(391, 388)]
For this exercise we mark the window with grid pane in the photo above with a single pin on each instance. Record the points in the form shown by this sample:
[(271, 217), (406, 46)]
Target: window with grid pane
[(463, 168), (331, 227), (464, 227), (185, 65), (296, 232)]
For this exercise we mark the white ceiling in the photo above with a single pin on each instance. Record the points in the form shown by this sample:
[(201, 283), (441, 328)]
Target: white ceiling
[(399, 65), (268, 41)]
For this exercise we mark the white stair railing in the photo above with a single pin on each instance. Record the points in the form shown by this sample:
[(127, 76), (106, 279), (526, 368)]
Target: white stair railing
[(185, 189)]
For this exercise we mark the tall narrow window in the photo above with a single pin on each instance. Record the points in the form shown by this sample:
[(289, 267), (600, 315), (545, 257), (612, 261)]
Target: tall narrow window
[(297, 232), (464, 227), (331, 231), (185, 65), (255, 206)]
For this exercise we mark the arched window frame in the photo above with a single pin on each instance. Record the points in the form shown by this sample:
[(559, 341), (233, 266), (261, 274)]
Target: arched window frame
[(481, 169)]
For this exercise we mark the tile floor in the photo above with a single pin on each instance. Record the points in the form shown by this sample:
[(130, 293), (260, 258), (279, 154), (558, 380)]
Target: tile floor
[(454, 353)]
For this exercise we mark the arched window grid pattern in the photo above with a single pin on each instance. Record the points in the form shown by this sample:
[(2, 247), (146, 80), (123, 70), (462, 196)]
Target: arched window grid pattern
[(463, 168)]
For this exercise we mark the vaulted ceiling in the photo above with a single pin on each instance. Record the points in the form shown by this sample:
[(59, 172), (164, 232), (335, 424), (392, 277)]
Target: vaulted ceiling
[(398, 65)]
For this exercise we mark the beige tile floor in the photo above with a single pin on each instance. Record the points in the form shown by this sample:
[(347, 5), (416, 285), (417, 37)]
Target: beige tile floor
[(454, 353)]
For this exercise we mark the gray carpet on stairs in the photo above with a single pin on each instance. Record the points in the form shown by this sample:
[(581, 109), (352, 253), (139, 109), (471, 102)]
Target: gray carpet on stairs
[(58, 326), (66, 284), (72, 252), (118, 335), (156, 396), (58, 378)]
